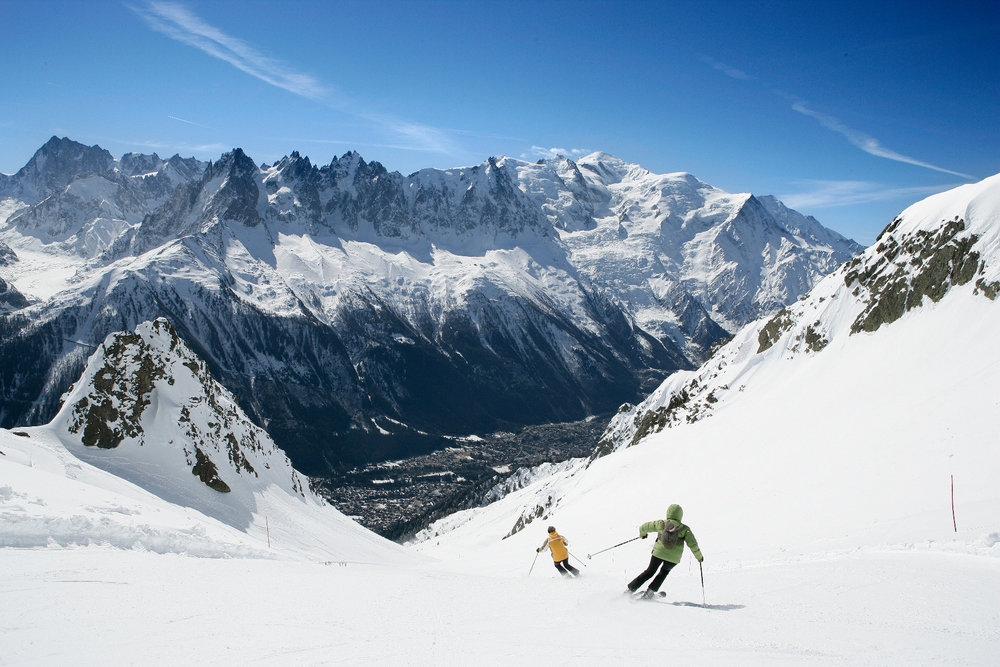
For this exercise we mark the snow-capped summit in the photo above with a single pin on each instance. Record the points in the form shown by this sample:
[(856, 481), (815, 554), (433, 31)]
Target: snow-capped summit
[(78, 200), (660, 236), (56, 164), (148, 410)]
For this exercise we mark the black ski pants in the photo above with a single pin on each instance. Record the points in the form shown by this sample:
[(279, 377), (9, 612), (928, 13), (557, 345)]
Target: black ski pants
[(654, 562), (566, 569)]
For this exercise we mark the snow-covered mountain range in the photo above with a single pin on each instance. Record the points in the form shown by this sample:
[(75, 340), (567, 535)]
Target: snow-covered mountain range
[(359, 314)]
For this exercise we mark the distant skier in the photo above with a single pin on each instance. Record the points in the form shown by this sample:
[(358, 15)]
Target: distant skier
[(556, 543), (667, 550)]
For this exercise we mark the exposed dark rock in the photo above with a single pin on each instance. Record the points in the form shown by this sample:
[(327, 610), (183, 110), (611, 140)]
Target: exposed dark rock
[(931, 262)]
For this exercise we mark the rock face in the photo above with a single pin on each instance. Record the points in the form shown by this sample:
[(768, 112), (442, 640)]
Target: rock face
[(943, 243), (147, 409), (361, 315), (10, 298)]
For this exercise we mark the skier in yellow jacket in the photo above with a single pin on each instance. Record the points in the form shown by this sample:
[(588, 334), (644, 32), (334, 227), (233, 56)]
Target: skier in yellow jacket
[(556, 543)]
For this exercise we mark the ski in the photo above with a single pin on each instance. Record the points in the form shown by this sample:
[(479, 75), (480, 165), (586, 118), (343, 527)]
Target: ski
[(641, 595)]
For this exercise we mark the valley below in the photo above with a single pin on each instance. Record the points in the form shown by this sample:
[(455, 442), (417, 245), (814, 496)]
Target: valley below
[(398, 498)]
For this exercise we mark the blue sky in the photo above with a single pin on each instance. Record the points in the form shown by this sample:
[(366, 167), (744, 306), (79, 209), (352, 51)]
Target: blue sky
[(846, 111)]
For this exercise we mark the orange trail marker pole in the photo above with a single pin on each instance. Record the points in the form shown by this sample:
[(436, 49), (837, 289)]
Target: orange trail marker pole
[(953, 522)]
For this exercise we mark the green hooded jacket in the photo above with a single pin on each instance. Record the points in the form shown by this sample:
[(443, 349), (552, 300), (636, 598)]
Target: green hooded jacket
[(671, 526)]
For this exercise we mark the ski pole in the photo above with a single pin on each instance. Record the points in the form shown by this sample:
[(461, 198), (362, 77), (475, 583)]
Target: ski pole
[(610, 548), (532, 564), (574, 556), (702, 572)]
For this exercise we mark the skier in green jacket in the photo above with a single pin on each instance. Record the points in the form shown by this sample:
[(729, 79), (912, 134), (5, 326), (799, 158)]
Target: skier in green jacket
[(667, 551)]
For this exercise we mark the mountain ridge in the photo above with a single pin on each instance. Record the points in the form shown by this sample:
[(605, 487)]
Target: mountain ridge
[(549, 292)]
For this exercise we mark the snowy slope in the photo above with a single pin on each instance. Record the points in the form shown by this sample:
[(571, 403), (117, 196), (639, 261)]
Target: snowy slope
[(50, 498), (852, 448), (886, 609)]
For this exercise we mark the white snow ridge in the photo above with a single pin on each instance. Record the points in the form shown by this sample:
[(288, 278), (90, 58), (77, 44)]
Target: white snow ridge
[(837, 463)]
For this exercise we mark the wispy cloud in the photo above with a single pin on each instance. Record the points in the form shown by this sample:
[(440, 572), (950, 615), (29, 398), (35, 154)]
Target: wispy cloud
[(422, 137), (181, 24), (350, 144), (177, 22), (550, 153), (867, 143), (817, 194), (189, 122), (728, 70), (209, 150), (857, 138)]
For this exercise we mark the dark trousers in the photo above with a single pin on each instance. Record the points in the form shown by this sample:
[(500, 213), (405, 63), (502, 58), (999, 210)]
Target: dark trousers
[(654, 562), (566, 569)]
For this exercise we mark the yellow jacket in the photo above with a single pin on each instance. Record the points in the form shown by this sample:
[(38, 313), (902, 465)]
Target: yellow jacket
[(557, 545)]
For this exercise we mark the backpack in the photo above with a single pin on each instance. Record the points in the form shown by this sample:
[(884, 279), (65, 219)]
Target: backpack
[(671, 534)]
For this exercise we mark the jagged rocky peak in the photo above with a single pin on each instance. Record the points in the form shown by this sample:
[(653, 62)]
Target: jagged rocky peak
[(7, 255), (295, 165), (186, 167), (10, 298), (236, 198), (486, 197), (348, 168), (174, 430), (60, 161), (233, 163), (138, 164)]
